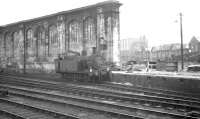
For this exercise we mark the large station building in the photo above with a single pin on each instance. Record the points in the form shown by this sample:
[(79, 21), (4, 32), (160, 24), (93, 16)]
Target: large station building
[(33, 45)]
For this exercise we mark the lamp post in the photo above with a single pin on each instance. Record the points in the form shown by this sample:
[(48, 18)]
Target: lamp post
[(181, 33)]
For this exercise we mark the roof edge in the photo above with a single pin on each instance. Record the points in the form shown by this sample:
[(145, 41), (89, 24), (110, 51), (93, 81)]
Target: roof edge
[(65, 12)]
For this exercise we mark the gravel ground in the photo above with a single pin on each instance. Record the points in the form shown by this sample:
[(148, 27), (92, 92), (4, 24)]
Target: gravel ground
[(3, 116)]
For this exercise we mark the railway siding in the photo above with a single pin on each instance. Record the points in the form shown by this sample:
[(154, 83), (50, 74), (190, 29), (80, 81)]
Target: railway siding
[(113, 103), (101, 97), (91, 104)]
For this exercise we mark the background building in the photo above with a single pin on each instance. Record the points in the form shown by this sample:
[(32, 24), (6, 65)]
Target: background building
[(133, 49), (194, 45), (167, 52), (172, 53)]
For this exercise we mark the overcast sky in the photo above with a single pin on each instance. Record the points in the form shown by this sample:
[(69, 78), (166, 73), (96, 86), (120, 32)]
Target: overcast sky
[(158, 20)]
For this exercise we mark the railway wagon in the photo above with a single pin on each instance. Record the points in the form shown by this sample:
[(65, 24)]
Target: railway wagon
[(83, 68)]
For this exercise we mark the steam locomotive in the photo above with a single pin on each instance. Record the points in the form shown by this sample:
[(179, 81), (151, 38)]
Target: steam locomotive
[(74, 67)]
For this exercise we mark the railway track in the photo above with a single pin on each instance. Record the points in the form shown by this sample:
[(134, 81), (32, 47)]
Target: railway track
[(78, 110), (148, 104), (4, 114), (150, 91), (123, 110), (105, 112), (144, 90), (19, 110), (129, 96)]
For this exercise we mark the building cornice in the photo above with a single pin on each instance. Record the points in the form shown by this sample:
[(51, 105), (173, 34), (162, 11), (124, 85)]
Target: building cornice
[(101, 4)]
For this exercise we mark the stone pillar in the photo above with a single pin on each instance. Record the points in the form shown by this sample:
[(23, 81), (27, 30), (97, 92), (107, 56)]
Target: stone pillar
[(100, 31), (109, 36), (108, 31), (61, 34), (1, 45), (2, 50), (83, 36), (4, 44), (66, 35), (46, 27), (115, 36), (25, 48)]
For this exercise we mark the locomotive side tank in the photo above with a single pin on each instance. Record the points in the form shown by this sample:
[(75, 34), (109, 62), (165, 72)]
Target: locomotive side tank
[(83, 68)]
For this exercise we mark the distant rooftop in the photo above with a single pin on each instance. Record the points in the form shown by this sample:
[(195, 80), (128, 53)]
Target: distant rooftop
[(173, 46), (195, 38)]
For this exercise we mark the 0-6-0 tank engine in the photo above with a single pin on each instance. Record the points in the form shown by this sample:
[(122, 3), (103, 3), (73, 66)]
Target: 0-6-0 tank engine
[(92, 68)]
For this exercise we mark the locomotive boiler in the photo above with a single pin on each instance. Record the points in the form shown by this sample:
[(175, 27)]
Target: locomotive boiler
[(92, 68)]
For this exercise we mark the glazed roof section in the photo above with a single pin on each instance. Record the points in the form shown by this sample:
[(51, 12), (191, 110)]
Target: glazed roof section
[(111, 2)]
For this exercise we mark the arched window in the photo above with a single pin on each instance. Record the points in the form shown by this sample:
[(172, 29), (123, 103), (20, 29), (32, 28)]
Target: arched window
[(61, 36), (75, 42), (53, 41), (1, 46), (18, 38), (16, 44), (89, 35), (30, 43), (9, 45), (40, 42)]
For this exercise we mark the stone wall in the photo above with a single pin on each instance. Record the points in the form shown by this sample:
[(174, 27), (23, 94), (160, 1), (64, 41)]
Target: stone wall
[(174, 83), (32, 45)]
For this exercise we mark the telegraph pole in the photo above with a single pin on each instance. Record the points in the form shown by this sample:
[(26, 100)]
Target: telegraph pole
[(181, 32)]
